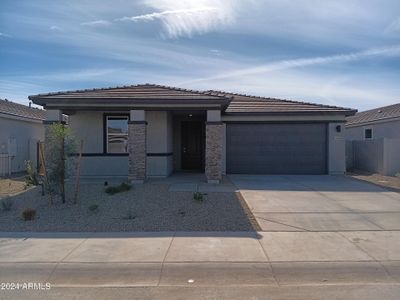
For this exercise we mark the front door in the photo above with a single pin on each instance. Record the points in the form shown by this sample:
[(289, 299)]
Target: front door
[(192, 145)]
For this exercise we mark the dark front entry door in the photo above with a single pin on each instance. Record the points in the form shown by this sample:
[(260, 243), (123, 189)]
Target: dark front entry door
[(192, 145)]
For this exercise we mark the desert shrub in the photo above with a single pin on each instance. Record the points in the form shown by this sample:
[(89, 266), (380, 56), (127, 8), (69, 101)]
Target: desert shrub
[(123, 187), (6, 204), (199, 197), (29, 214), (31, 178), (60, 158), (93, 208)]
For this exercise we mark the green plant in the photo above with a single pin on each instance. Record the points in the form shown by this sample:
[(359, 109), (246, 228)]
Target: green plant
[(6, 204), (123, 187), (93, 208), (199, 197), (398, 174), (59, 145), (29, 214), (31, 178)]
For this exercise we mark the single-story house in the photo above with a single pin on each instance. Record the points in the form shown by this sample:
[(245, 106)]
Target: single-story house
[(377, 123), (373, 140), (150, 130), (21, 127)]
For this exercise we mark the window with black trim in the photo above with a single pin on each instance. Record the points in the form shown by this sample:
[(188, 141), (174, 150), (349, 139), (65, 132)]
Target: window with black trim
[(116, 134), (368, 133)]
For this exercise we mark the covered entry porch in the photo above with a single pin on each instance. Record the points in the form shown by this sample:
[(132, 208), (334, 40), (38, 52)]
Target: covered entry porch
[(163, 142)]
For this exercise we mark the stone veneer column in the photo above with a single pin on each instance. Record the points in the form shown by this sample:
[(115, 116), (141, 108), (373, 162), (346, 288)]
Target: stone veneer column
[(137, 147), (214, 136)]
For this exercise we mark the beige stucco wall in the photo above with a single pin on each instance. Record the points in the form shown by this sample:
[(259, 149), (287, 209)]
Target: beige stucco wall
[(380, 130), (159, 142), (88, 126), (391, 156), (27, 134), (336, 149)]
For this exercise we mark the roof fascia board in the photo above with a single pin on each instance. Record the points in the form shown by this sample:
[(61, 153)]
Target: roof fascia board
[(289, 113), (303, 117), (124, 107)]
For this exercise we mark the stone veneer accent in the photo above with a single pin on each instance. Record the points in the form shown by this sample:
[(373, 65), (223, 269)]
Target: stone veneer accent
[(214, 136), (137, 150)]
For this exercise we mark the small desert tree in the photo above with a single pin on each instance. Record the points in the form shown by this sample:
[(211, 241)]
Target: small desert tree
[(59, 148)]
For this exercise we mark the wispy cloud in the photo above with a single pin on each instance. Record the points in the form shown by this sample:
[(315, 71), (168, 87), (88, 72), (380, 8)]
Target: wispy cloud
[(96, 23), (182, 18), (4, 35), (304, 62), (177, 13), (216, 52), (55, 28), (186, 18)]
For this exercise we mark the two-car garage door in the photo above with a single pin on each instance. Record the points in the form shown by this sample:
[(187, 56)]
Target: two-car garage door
[(276, 148)]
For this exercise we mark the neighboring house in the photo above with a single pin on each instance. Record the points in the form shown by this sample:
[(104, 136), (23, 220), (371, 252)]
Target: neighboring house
[(382, 122), (149, 130), (374, 140), (21, 127)]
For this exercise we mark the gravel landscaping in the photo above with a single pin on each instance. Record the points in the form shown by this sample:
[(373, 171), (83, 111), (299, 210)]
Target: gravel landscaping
[(148, 207)]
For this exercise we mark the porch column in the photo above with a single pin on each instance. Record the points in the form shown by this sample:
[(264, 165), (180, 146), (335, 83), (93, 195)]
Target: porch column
[(137, 146), (214, 146)]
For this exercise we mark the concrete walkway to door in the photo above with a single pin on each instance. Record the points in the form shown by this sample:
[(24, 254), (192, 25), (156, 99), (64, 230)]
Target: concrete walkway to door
[(293, 203)]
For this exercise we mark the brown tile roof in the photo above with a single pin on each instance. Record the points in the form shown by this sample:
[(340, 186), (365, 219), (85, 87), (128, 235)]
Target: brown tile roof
[(19, 110), (239, 103), (254, 104), (376, 114), (140, 91)]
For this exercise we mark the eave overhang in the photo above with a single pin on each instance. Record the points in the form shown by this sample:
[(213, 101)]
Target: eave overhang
[(86, 103)]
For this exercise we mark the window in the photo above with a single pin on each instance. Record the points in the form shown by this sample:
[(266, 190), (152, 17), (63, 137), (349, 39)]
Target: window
[(368, 133), (117, 134)]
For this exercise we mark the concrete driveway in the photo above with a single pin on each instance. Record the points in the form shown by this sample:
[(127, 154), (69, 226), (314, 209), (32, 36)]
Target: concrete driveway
[(318, 203)]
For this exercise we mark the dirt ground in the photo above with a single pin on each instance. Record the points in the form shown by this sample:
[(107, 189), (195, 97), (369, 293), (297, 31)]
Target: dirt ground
[(12, 186), (391, 182)]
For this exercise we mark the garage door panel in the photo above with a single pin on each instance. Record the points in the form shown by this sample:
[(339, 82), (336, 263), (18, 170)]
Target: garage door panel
[(276, 148)]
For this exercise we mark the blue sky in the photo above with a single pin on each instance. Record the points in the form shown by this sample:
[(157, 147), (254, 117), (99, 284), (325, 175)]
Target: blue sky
[(338, 52)]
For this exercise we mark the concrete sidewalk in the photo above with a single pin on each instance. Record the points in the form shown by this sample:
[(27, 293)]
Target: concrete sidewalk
[(208, 258)]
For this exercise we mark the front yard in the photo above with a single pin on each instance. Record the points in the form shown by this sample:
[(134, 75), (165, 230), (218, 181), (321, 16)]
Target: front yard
[(12, 186), (391, 182), (148, 207)]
